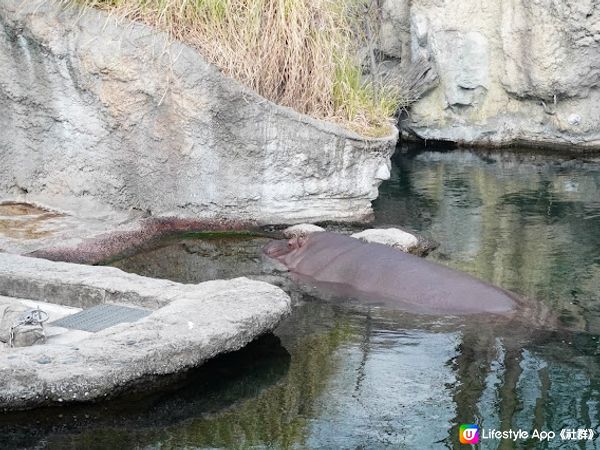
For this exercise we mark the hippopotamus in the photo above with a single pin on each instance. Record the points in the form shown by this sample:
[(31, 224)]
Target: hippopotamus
[(376, 271)]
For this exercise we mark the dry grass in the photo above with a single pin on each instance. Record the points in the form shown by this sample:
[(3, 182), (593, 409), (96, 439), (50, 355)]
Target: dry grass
[(297, 53)]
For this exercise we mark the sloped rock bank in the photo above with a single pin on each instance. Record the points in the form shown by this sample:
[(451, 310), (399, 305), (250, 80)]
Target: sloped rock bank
[(116, 115)]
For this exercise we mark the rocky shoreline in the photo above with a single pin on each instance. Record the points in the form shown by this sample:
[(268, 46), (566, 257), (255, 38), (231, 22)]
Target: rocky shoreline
[(187, 325)]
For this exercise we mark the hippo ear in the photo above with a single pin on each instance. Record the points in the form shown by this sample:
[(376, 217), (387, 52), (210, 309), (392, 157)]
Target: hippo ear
[(296, 242)]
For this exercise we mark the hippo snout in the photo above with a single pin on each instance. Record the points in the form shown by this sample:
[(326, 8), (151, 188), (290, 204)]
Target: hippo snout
[(276, 248)]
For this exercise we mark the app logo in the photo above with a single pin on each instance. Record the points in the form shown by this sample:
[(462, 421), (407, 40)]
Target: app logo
[(468, 434)]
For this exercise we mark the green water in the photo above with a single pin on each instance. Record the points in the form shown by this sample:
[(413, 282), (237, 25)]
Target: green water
[(527, 223), (339, 376)]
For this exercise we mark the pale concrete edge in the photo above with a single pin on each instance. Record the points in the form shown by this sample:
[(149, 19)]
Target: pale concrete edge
[(192, 324)]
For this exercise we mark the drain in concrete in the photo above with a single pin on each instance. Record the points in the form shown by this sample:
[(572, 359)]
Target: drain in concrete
[(100, 317)]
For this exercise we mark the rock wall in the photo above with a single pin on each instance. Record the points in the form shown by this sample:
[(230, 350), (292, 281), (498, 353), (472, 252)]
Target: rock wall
[(510, 71), (116, 115)]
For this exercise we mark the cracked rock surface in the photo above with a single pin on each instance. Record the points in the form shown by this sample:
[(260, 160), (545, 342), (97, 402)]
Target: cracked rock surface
[(510, 72)]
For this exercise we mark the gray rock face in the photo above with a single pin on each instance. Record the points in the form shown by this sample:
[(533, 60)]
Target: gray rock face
[(190, 324), (511, 72), (119, 116)]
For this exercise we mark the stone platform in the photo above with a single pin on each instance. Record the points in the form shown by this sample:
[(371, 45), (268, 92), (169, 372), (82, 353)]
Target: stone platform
[(188, 325)]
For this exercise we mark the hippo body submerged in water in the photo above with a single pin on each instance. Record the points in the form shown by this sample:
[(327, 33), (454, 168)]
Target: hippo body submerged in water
[(378, 272)]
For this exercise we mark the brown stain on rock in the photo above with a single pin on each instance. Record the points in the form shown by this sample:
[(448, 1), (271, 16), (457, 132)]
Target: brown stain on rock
[(25, 221), (102, 248)]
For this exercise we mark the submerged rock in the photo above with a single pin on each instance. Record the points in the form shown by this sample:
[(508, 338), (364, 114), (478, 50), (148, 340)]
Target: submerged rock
[(392, 237), (188, 325), (399, 239)]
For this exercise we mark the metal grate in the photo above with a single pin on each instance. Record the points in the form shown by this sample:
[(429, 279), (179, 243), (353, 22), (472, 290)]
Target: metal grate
[(100, 317)]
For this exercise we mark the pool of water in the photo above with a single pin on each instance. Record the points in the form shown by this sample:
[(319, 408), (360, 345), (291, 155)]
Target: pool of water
[(336, 375)]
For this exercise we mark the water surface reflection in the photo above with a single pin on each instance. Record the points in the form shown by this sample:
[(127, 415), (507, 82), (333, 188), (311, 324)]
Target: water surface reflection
[(365, 377)]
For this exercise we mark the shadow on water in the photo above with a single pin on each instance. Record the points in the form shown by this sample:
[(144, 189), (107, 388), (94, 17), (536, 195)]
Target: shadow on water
[(224, 383), (342, 375)]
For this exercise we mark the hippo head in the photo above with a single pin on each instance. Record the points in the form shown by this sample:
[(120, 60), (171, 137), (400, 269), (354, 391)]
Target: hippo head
[(278, 249)]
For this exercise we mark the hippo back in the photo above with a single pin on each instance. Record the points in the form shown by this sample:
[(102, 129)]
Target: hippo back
[(405, 280)]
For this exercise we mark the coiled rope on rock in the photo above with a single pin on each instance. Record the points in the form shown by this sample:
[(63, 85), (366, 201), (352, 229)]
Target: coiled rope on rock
[(34, 316)]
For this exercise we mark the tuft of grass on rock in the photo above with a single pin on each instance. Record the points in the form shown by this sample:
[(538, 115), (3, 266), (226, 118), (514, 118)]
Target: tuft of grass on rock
[(363, 105), (297, 53)]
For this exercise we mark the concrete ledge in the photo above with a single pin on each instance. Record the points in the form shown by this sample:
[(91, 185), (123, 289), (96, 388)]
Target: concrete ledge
[(190, 324)]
